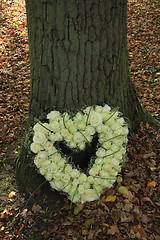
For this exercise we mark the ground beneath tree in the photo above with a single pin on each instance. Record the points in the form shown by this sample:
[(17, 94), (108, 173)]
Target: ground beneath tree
[(134, 215)]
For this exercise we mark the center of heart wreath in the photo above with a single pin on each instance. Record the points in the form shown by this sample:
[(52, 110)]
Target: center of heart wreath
[(77, 134)]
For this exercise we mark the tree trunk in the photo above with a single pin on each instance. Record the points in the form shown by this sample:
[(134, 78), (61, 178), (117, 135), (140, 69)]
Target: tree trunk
[(78, 56)]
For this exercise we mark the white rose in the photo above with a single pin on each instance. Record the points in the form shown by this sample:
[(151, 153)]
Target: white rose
[(102, 136), (37, 162), (81, 125), (74, 173), (91, 179), (99, 161), (69, 137), (40, 138), (125, 131), (78, 137), (100, 128), (86, 185), (75, 182), (81, 189), (113, 173), (58, 185), (37, 127), (53, 167), (95, 119), (121, 121), (107, 129), (106, 145), (97, 167), (114, 147), (53, 115), (68, 168), (52, 150), (82, 178), (48, 145), (42, 171), (89, 195), (52, 137), (123, 150), (104, 174), (106, 184), (73, 129), (78, 117), (90, 130), (35, 147), (66, 178), (98, 109), (81, 145), (56, 158), (72, 145), (61, 123), (118, 155), (107, 167), (97, 181), (115, 126), (57, 175), (54, 126), (58, 136), (106, 108), (93, 172), (45, 164), (42, 155), (64, 132), (69, 123), (101, 152), (40, 128), (61, 163), (48, 176)]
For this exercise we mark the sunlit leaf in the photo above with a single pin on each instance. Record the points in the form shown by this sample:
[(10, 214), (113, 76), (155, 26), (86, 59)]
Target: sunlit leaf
[(151, 184), (110, 199), (78, 208)]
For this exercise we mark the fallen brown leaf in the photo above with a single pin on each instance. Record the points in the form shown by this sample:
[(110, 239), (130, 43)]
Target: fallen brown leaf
[(113, 230)]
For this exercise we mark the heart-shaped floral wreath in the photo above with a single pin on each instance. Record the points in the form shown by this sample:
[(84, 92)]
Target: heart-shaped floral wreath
[(77, 134)]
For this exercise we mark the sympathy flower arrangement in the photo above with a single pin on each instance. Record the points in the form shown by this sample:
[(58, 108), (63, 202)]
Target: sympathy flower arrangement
[(77, 133)]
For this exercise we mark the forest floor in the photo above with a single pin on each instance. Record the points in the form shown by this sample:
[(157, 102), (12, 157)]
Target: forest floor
[(135, 215)]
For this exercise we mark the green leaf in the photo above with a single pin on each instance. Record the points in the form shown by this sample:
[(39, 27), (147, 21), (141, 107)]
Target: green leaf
[(78, 208)]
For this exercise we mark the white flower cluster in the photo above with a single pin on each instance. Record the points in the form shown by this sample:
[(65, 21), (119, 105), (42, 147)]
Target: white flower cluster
[(112, 134)]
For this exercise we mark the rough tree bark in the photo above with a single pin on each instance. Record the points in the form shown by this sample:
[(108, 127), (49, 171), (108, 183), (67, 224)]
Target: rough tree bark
[(78, 56)]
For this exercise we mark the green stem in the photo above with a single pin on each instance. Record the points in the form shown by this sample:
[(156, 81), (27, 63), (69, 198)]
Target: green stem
[(54, 153), (64, 121), (66, 162), (66, 185), (85, 138), (40, 123), (112, 114), (88, 115), (73, 196), (111, 139), (103, 178), (112, 153), (34, 192), (97, 194)]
